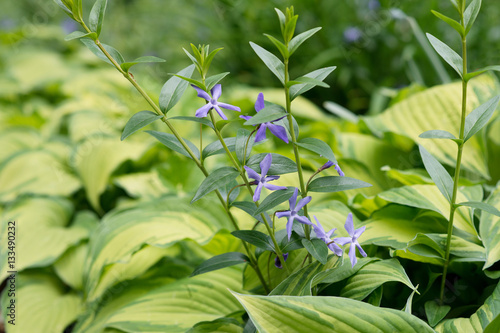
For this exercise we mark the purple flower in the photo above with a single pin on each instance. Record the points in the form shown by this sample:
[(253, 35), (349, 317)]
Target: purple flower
[(373, 4), (326, 237), (329, 164), (277, 261), (263, 179), (353, 239), (293, 213), (339, 170), (278, 130), (212, 102), (352, 35)]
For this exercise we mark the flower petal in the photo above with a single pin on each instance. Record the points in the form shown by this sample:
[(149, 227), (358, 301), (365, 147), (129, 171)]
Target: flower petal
[(279, 132), (343, 240), (358, 232), (271, 178), (283, 214), (302, 203), (259, 104), (203, 111), (303, 219), (272, 187), (289, 226), (252, 174), (261, 133), (330, 233), (352, 255), (360, 249), (339, 170), (293, 200), (229, 107), (349, 225), (246, 117), (202, 93), (265, 164), (219, 111), (335, 249), (216, 91), (256, 195)]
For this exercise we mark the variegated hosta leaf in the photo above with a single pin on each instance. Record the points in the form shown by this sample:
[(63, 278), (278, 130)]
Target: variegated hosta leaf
[(13, 140), (174, 307), (372, 276), (42, 305), (42, 232), (485, 319), (294, 314), (489, 229), (113, 254), (439, 108), (429, 197)]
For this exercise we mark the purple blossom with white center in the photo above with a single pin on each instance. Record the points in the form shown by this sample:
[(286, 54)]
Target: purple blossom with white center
[(329, 164), (213, 102), (353, 239), (278, 130), (263, 179), (293, 213), (277, 261), (326, 237)]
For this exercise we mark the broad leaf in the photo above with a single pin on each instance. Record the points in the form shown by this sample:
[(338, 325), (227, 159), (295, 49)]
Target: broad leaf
[(221, 325), (438, 173), (141, 60), (341, 272), (299, 39), (450, 56), (319, 74), (319, 147), (274, 199), (489, 230), (317, 248), (435, 312), (90, 44), (279, 164), (215, 180), (270, 112), (296, 314), (271, 61), (256, 238), (335, 184), (173, 89), (138, 121), (299, 283), (221, 261), (171, 142), (97, 16), (478, 118)]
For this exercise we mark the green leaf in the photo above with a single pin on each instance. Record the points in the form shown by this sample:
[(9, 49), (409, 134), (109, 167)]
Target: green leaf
[(270, 112), (317, 248), (290, 28), (64, 7), (299, 283), (208, 60), (438, 173), (171, 142), (325, 314), (372, 276), (482, 206), (319, 147), (271, 61), (256, 238), (341, 272), (203, 121), (435, 312), (437, 134), (282, 19), (215, 180), (173, 89), (249, 208), (489, 230), (141, 60), (279, 45), (279, 164), (305, 79), (335, 184), (69, 266), (211, 81), (90, 44), (299, 39), (51, 306), (451, 22), (478, 118), (242, 137), (470, 14), (221, 261), (274, 199), (221, 325), (450, 56), (97, 16), (79, 34), (216, 147), (138, 121), (481, 71), (319, 75), (192, 81)]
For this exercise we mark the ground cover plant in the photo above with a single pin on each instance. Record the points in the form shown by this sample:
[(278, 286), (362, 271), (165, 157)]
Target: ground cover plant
[(246, 210)]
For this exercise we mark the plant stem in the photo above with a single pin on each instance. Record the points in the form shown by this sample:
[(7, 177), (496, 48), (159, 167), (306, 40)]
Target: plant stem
[(253, 261), (456, 178)]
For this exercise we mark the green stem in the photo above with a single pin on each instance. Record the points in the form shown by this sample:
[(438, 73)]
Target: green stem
[(456, 178)]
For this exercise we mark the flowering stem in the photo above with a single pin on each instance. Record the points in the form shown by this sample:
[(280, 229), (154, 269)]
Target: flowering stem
[(456, 178)]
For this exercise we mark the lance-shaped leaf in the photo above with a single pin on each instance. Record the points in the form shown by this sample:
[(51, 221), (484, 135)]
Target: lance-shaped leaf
[(451, 22), (319, 147), (243, 143), (279, 45), (319, 75), (211, 81), (249, 208), (335, 184), (215, 180), (274, 199), (138, 121), (478, 118), (279, 165), (437, 134), (197, 83), (171, 142), (341, 272), (326, 314), (203, 121), (450, 56), (482, 206), (317, 248), (172, 90), (79, 34), (299, 39), (438, 173), (141, 60), (256, 238), (481, 71), (470, 14), (221, 261), (271, 61), (269, 113), (216, 147), (308, 80), (97, 16), (299, 283), (90, 44)]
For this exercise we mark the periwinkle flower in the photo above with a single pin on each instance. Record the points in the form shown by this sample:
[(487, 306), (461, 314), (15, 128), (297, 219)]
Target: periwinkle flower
[(293, 213), (329, 164), (352, 240), (263, 179), (277, 261), (278, 130), (373, 4), (213, 102), (326, 237), (352, 34)]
